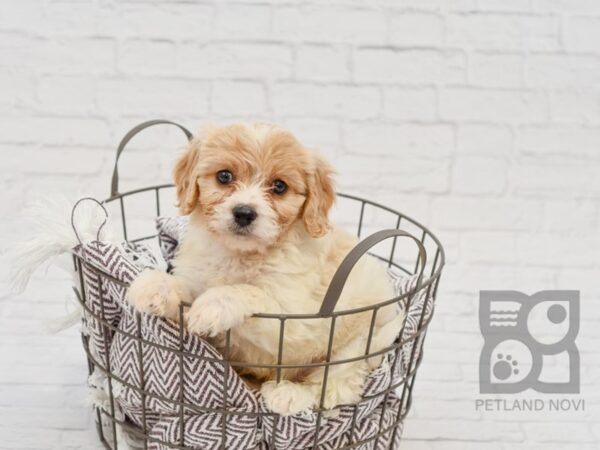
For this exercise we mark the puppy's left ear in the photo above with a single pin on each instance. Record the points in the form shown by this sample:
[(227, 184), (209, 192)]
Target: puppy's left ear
[(186, 184), (320, 197)]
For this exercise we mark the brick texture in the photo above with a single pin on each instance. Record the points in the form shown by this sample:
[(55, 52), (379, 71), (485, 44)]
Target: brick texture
[(481, 118)]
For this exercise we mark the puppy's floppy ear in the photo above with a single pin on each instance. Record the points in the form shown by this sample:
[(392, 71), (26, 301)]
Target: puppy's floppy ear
[(184, 175), (320, 197)]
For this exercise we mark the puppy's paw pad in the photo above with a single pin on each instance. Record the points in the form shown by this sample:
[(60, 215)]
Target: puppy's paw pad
[(287, 398), (153, 292), (204, 320), (213, 313)]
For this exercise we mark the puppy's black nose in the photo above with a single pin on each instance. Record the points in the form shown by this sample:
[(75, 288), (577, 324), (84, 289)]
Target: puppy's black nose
[(244, 215)]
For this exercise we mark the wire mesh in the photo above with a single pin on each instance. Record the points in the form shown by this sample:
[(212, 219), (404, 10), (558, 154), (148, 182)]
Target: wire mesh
[(108, 420)]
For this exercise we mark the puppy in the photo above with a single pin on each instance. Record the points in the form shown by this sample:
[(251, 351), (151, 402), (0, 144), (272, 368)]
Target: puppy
[(259, 241)]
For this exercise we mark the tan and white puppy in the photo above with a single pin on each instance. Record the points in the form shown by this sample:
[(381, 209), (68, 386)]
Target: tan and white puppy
[(259, 241)]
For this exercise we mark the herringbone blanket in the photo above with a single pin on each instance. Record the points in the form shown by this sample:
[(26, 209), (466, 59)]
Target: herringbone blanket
[(175, 386)]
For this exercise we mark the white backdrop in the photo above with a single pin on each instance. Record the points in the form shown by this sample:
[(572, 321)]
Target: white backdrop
[(480, 118)]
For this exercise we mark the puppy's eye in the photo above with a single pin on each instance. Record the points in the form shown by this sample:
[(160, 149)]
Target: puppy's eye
[(279, 187), (224, 176)]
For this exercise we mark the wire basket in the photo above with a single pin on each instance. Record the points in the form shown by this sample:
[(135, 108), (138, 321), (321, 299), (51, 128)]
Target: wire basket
[(362, 214)]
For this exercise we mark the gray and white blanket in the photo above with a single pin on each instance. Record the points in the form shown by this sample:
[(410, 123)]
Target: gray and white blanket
[(174, 386)]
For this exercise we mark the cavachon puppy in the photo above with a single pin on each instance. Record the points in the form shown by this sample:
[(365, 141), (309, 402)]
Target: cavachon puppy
[(259, 241)]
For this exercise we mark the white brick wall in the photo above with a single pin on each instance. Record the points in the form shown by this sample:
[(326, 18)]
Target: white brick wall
[(481, 118)]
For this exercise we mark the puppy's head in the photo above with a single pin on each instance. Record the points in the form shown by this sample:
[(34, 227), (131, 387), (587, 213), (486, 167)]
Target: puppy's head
[(251, 182)]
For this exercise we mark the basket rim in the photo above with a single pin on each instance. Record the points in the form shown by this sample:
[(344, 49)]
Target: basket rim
[(340, 194), (439, 261)]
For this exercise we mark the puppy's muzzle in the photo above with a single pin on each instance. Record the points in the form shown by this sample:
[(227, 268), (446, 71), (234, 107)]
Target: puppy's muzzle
[(244, 215)]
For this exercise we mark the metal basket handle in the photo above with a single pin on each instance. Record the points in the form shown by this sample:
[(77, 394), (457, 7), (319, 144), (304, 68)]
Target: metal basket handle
[(343, 271), (74, 209), (114, 190)]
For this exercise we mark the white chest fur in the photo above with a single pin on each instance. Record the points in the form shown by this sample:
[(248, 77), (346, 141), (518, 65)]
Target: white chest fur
[(288, 271)]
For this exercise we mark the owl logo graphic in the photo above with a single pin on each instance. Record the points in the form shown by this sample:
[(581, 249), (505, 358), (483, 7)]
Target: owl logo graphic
[(529, 342)]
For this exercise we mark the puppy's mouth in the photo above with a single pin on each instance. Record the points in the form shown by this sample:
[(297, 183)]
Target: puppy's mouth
[(241, 231)]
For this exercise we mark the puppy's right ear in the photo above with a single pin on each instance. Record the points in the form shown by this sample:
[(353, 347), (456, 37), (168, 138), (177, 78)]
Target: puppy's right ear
[(186, 182)]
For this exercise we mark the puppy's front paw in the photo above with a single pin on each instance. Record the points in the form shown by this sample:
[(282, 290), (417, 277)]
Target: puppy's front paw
[(215, 311), (287, 398), (157, 293)]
